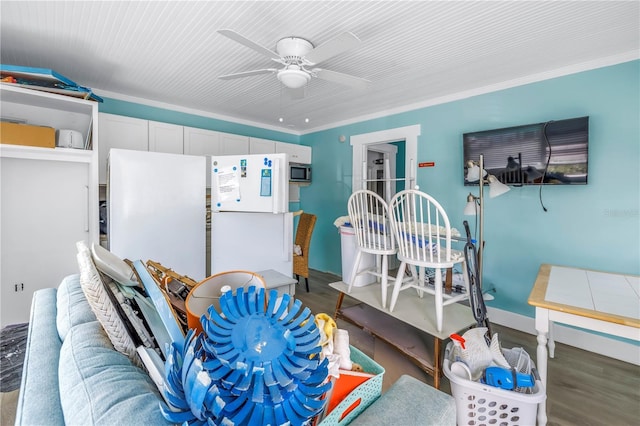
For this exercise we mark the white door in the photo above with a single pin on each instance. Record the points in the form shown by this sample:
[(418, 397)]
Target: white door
[(44, 212), (382, 177), (381, 170)]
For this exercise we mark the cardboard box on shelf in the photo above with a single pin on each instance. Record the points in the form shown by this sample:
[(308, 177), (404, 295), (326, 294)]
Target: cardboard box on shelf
[(25, 134)]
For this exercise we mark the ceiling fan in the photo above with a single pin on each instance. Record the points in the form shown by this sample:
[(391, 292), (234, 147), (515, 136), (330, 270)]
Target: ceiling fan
[(298, 57)]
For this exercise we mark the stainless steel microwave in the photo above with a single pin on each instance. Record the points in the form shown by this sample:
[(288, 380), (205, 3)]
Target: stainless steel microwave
[(299, 172)]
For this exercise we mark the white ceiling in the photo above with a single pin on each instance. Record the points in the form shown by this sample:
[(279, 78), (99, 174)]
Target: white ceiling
[(415, 53)]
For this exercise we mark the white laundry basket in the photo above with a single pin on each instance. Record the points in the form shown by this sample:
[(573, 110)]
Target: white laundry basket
[(349, 248), (479, 404)]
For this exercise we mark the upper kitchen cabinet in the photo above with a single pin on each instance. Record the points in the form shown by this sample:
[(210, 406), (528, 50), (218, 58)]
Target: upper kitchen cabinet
[(231, 144), (261, 146), (201, 141), (296, 153), (118, 131), (165, 137)]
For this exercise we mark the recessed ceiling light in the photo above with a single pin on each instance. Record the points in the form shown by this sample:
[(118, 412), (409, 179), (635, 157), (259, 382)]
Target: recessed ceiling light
[(306, 120), (281, 119)]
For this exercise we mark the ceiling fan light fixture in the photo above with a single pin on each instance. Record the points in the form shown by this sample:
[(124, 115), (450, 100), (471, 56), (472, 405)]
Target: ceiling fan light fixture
[(293, 78)]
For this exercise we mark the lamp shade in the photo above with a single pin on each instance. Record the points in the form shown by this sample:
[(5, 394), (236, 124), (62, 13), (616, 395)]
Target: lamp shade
[(473, 174), (471, 208), (496, 188), (293, 78)]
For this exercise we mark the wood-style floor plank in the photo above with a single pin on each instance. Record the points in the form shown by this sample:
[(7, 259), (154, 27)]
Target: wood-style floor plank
[(584, 388)]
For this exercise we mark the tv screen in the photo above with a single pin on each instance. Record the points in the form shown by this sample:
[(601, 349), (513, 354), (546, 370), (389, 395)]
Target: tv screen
[(553, 153)]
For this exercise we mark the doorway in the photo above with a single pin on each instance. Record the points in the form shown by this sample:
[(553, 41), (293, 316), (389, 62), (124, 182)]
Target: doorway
[(381, 169), (402, 139), (400, 147)]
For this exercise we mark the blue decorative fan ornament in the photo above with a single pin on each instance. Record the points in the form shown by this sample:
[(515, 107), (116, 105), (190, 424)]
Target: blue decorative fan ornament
[(254, 364)]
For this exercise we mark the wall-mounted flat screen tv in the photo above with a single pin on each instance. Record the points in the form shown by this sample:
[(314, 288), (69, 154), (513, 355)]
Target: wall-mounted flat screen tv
[(554, 152)]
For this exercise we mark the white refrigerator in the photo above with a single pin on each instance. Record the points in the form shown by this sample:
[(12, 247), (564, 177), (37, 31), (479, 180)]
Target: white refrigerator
[(251, 227), (157, 209)]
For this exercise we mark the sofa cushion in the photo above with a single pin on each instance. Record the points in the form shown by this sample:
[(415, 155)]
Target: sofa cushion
[(409, 402), (73, 307), (100, 386), (39, 401)]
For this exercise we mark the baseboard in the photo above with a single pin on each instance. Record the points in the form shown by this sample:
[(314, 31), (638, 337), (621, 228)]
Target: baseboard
[(595, 343)]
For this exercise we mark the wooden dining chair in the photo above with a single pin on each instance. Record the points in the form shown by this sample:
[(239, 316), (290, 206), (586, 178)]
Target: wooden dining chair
[(306, 223), (423, 235)]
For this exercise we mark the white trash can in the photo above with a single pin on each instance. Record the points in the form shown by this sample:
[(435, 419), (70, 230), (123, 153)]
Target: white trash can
[(349, 248)]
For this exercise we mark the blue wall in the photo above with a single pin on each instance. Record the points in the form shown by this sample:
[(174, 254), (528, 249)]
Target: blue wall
[(594, 226)]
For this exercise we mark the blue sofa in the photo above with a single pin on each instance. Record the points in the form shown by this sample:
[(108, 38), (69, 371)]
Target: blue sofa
[(72, 375)]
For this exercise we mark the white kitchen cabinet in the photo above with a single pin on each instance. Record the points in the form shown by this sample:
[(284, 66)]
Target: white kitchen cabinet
[(296, 153), (231, 144), (261, 146), (201, 141), (133, 133), (49, 199), (165, 137), (118, 131)]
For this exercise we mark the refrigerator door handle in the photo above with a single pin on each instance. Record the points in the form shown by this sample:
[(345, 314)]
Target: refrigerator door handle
[(276, 185)]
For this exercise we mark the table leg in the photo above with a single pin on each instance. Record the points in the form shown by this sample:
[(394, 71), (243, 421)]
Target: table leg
[(338, 305), (551, 344), (542, 327), (437, 363)]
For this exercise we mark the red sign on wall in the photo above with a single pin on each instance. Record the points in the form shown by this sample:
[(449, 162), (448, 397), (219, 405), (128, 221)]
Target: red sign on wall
[(427, 164)]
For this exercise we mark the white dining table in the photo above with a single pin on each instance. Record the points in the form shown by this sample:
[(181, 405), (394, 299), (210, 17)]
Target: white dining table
[(599, 301)]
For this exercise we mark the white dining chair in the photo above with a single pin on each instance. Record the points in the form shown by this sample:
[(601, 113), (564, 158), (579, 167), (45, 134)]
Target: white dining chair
[(369, 217), (423, 237)]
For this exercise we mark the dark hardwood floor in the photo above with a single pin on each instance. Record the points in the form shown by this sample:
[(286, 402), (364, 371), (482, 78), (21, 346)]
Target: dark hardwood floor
[(583, 389)]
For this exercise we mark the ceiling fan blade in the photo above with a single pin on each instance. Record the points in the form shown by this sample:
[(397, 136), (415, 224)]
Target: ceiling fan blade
[(345, 79), (250, 44), (247, 73), (333, 47)]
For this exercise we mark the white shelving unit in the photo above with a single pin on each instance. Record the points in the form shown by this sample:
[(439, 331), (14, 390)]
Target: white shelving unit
[(49, 198)]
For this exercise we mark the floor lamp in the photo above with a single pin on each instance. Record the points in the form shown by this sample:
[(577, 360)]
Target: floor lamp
[(475, 204)]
